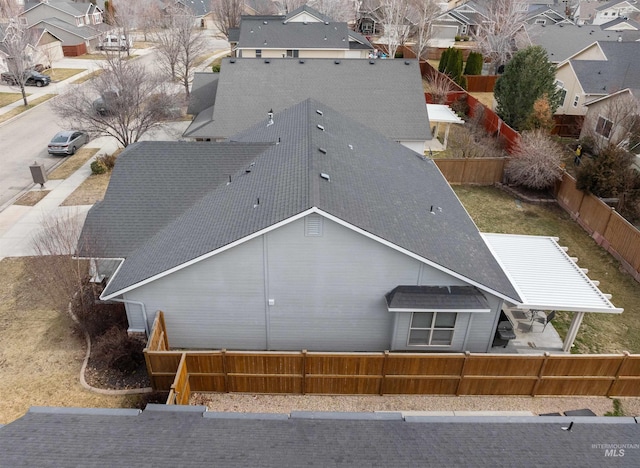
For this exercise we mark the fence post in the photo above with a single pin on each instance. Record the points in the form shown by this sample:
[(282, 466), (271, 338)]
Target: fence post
[(625, 355), (163, 325), (384, 372), (304, 371), (534, 390), (467, 354), (224, 370)]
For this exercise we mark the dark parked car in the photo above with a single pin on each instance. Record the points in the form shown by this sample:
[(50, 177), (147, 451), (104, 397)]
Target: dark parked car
[(31, 78), (67, 142), (106, 103)]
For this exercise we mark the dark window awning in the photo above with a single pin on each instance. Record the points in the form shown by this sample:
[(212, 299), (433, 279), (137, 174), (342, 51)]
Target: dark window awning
[(436, 299)]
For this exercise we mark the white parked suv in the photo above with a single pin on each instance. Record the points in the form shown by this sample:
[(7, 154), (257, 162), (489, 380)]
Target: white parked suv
[(112, 42)]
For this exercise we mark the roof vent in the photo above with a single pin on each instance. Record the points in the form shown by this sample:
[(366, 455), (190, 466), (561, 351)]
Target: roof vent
[(325, 176), (325, 38), (264, 22), (371, 62), (265, 42), (406, 62), (321, 127), (267, 61), (350, 147), (232, 60), (322, 150), (337, 62), (326, 22), (318, 111), (304, 22), (300, 61), (257, 203), (270, 117)]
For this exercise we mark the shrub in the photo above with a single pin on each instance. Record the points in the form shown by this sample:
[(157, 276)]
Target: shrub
[(215, 68), (109, 160), (118, 350), (535, 162), (474, 64), (96, 317), (399, 54), (98, 167), (458, 38)]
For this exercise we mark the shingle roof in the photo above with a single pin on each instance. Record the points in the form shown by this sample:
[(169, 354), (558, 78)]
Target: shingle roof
[(620, 70), (375, 185), (311, 11), (152, 184), (85, 32), (203, 91), (561, 41), (386, 95), (198, 7), (435, 298), (257, 34), (190, 437)]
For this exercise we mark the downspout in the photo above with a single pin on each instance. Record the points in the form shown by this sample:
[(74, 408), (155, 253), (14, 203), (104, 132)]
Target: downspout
[(144, 311)]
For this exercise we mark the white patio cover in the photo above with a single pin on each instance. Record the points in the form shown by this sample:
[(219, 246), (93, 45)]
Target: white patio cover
[(545, 276), (441, 113)]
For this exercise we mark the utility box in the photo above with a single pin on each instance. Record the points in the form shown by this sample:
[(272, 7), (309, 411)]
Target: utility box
[(38, 173)]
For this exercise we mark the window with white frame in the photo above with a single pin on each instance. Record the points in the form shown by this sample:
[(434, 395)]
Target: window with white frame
[(576, 99), (431, 328), (541, 21), (604, 126), (292, 53), (258, 53), (563, 92)]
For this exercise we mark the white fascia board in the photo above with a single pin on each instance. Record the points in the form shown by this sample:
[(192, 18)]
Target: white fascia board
[(440, 309)]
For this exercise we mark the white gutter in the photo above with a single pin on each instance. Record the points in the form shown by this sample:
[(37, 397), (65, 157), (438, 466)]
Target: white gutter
[(142, 306)]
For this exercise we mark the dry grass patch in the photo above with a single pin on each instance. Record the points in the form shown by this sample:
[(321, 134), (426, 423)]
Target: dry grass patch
[(60, 74), (9, 98), (88, 76), (91, 191), (143, 45), (97, 56), (484, 98), (31, 198), (73, 163), (19, 110), (495, 211), (40, 356)]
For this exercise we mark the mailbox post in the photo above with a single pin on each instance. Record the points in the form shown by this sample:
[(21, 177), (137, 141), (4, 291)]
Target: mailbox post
[(38, 173)]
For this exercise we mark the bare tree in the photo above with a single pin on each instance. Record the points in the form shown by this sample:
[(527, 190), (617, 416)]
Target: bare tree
[(226, 14), (498, 37), (133, 101), (180, 46), (536, 161), (17, 44), (394, 17), (150, 18), (291, 5), (337, 10), (422, 14)]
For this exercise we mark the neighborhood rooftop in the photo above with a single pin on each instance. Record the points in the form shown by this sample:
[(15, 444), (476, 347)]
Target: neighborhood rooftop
[(189, 436), (385, 95), (620, 70), (324, 161)]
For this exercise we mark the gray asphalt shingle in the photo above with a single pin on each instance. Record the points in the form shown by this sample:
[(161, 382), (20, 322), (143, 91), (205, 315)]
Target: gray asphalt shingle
[(376, 185), (386, 95), (190, 438), (621, 69)]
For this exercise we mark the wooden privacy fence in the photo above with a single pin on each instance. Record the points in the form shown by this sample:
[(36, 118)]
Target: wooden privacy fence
[(183, 372), (610, 230), (472, 171)]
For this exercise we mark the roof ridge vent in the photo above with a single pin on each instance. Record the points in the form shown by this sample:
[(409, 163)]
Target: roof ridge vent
[(321, 127), (325, 176)]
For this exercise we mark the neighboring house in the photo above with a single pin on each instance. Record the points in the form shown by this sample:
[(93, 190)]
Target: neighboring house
[(596, 71), (615, 9), (547, 15), (45, 48), (327, 237), (73, 23), (190, 436), (621, 24), (562, 40), (615, 119), (462, 20), (201, 9), (386, 95), (303, 33)]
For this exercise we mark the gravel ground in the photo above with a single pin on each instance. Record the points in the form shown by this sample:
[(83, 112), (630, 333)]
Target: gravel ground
[(249, 403)]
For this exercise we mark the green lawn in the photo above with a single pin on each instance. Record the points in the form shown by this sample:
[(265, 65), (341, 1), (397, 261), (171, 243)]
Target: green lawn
[(495, 211)]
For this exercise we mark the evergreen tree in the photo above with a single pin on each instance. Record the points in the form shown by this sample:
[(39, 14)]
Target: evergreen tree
[(527, 77), (474, 64), (444, 58)]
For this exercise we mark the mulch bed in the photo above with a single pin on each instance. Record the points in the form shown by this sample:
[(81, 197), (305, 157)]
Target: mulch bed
[(99, 375), (528, 195)]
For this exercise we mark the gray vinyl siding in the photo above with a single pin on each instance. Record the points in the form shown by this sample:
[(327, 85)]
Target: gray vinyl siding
[(216, 303), (285, 290), (484, 326)]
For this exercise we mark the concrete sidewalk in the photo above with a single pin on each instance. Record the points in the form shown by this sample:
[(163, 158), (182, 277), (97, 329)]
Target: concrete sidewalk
[(19, 225)]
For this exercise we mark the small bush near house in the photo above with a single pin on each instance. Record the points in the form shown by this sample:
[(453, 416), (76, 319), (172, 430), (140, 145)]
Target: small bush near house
[(96, 317), (215, 68), (98, 167), (109, 160), (118, 350), (474, 64)]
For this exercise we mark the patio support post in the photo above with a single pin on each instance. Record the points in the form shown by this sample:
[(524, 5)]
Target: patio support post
[(573, 331), (446, 135)]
